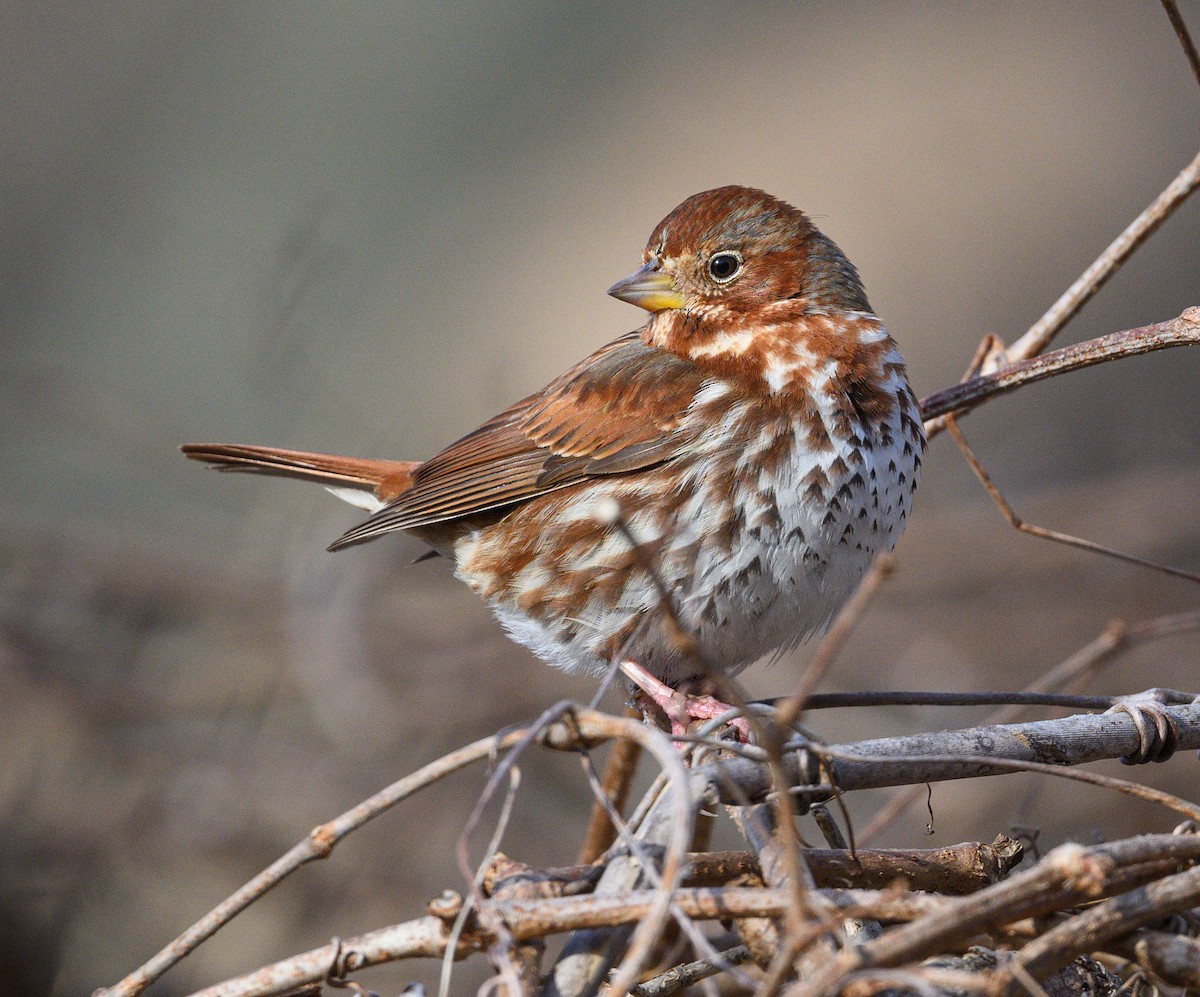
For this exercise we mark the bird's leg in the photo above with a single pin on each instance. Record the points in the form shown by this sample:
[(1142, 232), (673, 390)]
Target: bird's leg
[(680, 708)]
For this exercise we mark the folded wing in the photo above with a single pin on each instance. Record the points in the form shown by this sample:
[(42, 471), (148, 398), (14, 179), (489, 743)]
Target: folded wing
[(619, 410)]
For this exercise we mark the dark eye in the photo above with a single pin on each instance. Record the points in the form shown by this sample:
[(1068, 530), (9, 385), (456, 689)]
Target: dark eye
[(725, 266)]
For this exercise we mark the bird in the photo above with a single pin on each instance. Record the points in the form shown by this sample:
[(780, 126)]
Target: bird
[(697, 494)]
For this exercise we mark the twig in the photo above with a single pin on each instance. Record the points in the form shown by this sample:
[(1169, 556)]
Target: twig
[(672, 822), (996, 764), (1173, 958), (1017, 523), (318, 845), (1185, 39), (699, 942), (1070, 873), (682, 977), (1116, 638), (474, 899), (619, 769), (966, 395), (960, 754), (1098, 925), (1108, 263), (952, 870), (427, 936)]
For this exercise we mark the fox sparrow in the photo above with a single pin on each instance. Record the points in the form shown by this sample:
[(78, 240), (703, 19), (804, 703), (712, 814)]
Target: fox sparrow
[(695, 494)]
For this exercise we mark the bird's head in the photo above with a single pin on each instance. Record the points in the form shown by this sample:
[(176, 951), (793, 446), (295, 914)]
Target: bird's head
[(733, 251)]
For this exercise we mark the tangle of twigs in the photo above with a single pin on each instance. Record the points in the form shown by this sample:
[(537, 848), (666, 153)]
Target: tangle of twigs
[(785, 917)]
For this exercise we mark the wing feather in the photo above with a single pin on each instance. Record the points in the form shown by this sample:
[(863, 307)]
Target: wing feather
[(618, 411)]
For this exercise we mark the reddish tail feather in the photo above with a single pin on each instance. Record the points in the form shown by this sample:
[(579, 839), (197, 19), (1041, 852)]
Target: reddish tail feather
[(385, 479)]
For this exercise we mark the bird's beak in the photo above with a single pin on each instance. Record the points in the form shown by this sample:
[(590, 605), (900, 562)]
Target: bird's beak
[(650, 288)]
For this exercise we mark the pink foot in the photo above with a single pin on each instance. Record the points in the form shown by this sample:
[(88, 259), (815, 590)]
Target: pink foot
[(681, 709)]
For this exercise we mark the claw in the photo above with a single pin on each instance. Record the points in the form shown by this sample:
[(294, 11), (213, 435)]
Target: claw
[(680, 709)]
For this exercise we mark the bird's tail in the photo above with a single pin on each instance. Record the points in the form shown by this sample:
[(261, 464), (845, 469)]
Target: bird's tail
[(368, 484)]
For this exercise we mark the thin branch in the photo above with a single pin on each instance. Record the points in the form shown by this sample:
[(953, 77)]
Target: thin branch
[(966, 395), (1185, 38), (427, 936), (619, 770), (1117, 637), (621, 828), (1018, 524), (1173, 958), (318, 845), (1109, 920), (672, 822), (959, 754), (1068, 871), (682, 977), (1107, 263)]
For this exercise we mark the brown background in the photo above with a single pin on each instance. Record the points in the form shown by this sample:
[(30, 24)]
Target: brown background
[(366, 228)]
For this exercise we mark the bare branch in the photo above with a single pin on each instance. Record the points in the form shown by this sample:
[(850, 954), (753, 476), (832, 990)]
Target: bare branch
[(1185, 38), (318, 845), (619, 770), (962, 397), (1173, 958), (1101, 924), (1107, 263), (682, 977), (1117, 637), (1069, 871), (1017, 523)]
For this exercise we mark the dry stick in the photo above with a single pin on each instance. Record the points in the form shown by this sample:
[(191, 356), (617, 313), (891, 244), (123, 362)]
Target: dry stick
[(682, 977), (1069, 874), (966, 395), (678, 812), (953, 870), (428, 936), (759, 825), (1115, 639), (1181, 33), (699, 941), (318, 845), (619, 769), (1147, 794), (1099, 925), (962, 754), (538, 918), (1017, 523), (507, 768), (1173, 958), (508, 967), (1107, 263)]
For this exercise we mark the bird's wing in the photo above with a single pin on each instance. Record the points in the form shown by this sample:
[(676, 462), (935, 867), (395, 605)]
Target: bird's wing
[(619, 410)]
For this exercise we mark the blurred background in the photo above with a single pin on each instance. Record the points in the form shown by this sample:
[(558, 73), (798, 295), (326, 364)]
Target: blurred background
[(367, 227)]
